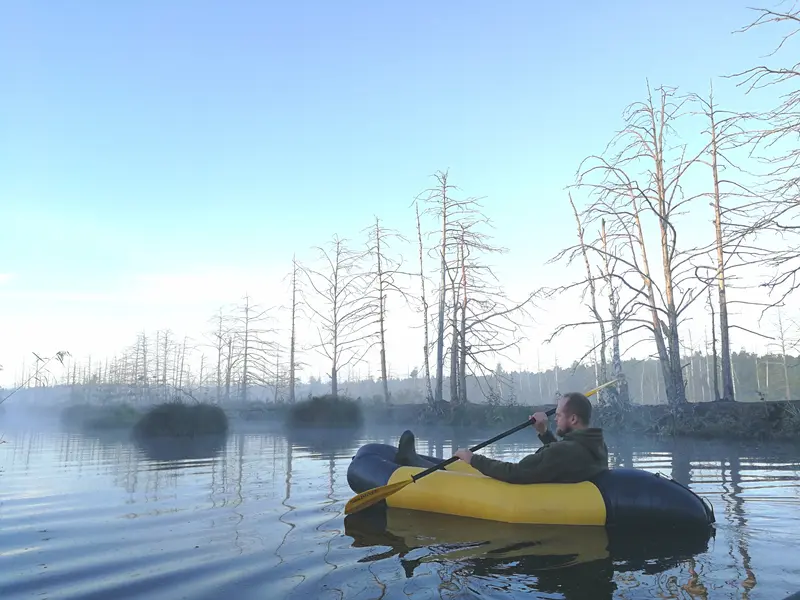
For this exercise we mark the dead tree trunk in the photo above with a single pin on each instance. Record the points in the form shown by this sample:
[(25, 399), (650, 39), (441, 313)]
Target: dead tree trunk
[(424, 298), (724, 330), (442, 291), (462, 368), (346, 315), (220, 347), (719, 139), (277, 376), (165, 354), (228, 368), (381, 312), (673, 381), (252, 361), (384, 270), (590, 280), (619, 393), (784, 355), (714, 346), (643, 154), (490, 324), (245, 350), (454, 342), (293, 335)]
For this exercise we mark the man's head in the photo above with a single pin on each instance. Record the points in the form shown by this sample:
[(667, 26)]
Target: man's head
[(574, 411)]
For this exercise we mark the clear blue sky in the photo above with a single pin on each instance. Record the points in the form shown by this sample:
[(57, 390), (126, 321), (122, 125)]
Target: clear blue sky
[(152, 136)]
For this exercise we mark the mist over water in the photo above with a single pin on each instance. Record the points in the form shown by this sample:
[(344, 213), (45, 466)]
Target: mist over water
[(260, 515)]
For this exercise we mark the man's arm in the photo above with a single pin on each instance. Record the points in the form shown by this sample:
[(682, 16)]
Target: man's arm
[(547, 437), (541, 467)]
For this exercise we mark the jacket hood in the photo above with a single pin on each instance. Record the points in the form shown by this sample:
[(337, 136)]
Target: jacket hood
[(590, 438)]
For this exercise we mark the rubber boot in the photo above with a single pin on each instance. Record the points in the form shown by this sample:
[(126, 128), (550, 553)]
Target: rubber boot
[(407, 454)]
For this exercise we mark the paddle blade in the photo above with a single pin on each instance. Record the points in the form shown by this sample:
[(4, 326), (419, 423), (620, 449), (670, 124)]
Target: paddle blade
[(373, 496), (600, 387)]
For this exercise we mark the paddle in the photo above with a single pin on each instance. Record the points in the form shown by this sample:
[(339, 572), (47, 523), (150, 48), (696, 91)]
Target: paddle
[(375, 495)]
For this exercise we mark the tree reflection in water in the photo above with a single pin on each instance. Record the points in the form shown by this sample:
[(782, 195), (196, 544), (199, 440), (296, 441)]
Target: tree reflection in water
[(176, 450)]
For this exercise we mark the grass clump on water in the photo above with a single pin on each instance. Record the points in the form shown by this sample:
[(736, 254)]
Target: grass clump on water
[(326, 411), (177, 419)]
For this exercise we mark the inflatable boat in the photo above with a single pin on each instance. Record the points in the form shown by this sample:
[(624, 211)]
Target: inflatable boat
[(627, 498)]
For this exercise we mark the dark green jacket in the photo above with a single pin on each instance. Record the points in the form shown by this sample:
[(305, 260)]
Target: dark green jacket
[(581, 455)]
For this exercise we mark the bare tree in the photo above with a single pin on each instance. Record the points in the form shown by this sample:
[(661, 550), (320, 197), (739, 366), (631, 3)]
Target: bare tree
[(165, 351), (445, 209), (140, 371), (714, 345), (221, 340), (787, 342), (219, 346), (618, 313), (481, 317), (40, 372), (725, 347), (254, 349), (462, 362), (606, 255), (343, 310), (486, 323), (644, 177), (293, 337), (779, 210), (425, 312), (286, 373), (384, 270), (590, 282), (733, 205)]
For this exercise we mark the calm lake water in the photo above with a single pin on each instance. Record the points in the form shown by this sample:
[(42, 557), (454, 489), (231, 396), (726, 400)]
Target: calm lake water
[(83, 517)]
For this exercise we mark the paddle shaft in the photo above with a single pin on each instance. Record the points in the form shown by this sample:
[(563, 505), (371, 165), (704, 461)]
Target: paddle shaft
[(453, 459)]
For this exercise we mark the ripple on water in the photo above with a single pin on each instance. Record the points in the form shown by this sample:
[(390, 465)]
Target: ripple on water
[(80, 518)]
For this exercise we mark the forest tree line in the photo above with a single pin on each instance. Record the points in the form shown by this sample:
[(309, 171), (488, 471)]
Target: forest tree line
[(642, 274), (755, 377)]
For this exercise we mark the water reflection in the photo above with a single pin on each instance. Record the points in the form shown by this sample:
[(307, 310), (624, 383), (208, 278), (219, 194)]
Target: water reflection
[(180, 450), (323, 443), (578, 562), (734, 502), (260, 515)]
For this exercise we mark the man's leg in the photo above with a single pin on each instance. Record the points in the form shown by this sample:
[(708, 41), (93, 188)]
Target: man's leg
[(407, 454)]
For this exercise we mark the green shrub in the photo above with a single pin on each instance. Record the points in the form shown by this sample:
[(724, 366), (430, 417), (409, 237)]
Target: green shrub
[(326, 411), (176, 419)]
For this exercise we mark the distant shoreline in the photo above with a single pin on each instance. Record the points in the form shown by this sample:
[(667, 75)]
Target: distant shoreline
[(767, 420)]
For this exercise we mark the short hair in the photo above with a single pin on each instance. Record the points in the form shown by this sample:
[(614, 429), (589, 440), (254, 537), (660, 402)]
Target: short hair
[(577, 404)]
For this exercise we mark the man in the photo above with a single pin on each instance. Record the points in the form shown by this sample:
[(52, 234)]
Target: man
[(579, 456)]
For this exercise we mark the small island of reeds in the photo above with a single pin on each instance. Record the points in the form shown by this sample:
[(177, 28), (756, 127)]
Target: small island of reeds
[(325, 412), (179, 419)]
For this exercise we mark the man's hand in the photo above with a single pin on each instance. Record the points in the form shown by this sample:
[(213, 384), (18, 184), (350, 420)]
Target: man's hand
[(540, 424), (464, 455)]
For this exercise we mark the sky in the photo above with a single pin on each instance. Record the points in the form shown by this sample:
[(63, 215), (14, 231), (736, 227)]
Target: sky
[(158, 160)]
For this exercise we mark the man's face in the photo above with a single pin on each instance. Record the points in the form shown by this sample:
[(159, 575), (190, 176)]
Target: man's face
[(565, 422)]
